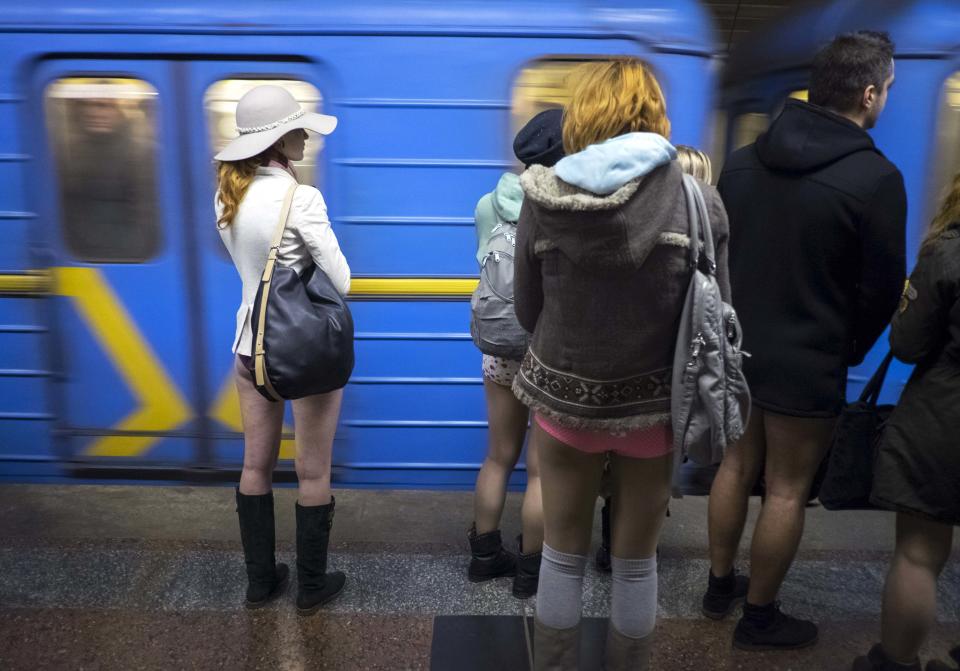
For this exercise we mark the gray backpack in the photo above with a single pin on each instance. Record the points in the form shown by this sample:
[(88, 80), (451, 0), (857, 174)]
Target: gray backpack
[(710, 400), (493, 322)]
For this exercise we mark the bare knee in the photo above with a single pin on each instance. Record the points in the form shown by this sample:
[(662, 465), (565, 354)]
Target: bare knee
[(256, 479), (738, 473), (924, 551), (789, 487)]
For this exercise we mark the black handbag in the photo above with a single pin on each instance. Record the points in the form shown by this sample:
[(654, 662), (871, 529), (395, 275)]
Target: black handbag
[(303, 342), (853, 450)]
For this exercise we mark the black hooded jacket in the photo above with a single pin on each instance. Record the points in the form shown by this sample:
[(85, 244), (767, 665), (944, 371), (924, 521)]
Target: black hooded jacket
[(817, 226)]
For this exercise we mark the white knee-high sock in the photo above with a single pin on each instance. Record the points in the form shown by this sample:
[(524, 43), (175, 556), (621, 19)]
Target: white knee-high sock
[(560, 592), (634, 608)]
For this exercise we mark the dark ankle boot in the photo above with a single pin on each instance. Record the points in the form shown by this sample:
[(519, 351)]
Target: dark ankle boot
[(266, 579), (723, 595), (603, 552), (528, 572), (877, 660), (767, 628), (489, 558), (315, 586)]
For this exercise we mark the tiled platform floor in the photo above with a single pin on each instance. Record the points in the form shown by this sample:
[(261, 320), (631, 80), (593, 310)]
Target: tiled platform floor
[(152, 578)]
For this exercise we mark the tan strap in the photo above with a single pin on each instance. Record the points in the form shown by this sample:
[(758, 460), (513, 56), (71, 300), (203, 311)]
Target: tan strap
[(259, 362)]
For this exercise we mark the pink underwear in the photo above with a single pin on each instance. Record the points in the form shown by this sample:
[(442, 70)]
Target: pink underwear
[(647, 443)]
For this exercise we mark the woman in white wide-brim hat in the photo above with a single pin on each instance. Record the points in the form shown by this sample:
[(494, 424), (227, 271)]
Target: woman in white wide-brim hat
[(254, 174)]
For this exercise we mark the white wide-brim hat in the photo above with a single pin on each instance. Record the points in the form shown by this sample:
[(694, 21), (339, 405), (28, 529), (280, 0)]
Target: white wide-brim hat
[(264, 115)]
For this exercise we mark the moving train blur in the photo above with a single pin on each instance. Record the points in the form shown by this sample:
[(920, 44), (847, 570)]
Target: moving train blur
[(117, 298)]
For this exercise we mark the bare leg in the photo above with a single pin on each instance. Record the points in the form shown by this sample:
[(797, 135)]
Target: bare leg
[(795, 448), (531, 513), (910, 594), (315, 422), (507, 418), (570, 481), (730, 494), (641, 489), (262, 424)]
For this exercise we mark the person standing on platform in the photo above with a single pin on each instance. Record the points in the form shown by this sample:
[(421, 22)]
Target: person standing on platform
[(817, 217), (917, 472), (254, 175), (539, 142), (601, 277)]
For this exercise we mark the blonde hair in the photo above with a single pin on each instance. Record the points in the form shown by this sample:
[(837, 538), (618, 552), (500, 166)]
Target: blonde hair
[(949, 214), (233, 180), (610, 98), (694, 162), (235, 177)]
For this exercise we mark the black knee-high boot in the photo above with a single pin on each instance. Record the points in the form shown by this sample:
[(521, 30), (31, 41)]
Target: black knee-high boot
[(315, 586), (266, 579)]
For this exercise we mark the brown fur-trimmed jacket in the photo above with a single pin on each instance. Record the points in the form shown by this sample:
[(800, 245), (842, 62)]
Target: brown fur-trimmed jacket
[(600, 282)]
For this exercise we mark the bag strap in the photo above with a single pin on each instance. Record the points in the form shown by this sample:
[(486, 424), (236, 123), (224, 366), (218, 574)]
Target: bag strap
[(260, 367), (699, 224), (871, 391)]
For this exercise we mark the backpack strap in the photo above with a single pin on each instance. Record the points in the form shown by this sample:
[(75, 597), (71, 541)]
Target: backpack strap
[(259, 362), (699, 224)]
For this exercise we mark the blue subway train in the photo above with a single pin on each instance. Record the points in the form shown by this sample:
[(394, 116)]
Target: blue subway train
[(117, 299)]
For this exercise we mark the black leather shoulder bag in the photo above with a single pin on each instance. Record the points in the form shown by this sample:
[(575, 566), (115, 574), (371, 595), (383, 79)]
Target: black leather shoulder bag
[(303, 342)]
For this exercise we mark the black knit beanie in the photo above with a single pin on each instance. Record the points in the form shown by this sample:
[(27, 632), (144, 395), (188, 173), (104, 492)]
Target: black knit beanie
[(540, 142)]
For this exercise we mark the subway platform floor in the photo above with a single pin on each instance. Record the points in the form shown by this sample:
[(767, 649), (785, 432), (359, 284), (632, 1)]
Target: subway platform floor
[(151, 577)]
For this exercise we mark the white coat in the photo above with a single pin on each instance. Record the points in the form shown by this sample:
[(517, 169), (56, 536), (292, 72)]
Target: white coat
[(307, 238)]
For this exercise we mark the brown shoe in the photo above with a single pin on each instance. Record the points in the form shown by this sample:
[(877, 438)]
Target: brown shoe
[(555, 649)]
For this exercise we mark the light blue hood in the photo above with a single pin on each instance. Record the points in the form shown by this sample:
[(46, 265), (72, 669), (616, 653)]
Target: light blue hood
[(603, 168)]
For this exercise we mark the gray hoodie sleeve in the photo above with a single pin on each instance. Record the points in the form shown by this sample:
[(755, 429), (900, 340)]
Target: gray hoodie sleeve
[(527, 280)]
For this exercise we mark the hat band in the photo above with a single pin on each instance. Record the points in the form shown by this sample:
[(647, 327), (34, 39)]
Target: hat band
[(270, 126)]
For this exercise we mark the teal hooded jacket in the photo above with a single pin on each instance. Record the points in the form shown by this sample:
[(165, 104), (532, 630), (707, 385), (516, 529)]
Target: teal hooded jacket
[(503, 203)]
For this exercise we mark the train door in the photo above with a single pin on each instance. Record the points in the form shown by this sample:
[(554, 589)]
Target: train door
[(112, 210)]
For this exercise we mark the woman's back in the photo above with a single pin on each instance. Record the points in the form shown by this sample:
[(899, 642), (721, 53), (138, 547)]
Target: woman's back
[(307, 238), (601, 281)]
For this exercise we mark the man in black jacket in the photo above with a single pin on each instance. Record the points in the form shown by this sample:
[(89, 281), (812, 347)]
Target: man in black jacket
[(817, 218)]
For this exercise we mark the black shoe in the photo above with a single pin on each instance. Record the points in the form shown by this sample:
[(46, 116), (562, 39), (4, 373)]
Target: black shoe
[(315, 586), (767, 628), (603, 552), (528, 572), (877, 660), (723, 595), (489, 559), (266, 579)]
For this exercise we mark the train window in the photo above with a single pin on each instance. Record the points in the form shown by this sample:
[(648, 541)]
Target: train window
[(103, 135), (947, 160), (748, 127), (220, 103), (540, 86)]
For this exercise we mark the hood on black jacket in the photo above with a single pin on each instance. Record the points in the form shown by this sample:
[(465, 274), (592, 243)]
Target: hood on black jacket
[(806, 137)]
